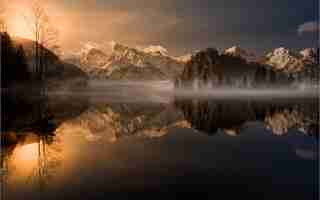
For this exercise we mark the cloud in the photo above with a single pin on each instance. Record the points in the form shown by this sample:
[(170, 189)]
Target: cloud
[(308, 27)]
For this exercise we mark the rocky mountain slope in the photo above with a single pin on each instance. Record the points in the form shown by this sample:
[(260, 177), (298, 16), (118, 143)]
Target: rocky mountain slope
[(208, 68), (126, 63), (282, 59), (236, 67), (242, 53)]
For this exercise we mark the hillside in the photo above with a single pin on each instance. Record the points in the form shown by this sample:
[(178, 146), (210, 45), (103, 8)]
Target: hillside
[(59, 73)]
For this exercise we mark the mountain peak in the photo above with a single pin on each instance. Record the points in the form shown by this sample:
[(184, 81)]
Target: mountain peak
[(88, 46), (281, 51), (239, 52), (156, 50), (285, 60), (117, 47), (184, 59), (125, 62)]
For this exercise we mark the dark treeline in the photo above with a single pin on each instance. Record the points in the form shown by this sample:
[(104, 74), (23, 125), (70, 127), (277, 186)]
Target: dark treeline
[(22, 95), (14, 66), (210, 68)]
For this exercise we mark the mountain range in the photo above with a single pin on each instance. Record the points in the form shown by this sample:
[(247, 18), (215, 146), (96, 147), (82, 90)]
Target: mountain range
[(234, 65), (155, 63), (127, 63), (237, 67)]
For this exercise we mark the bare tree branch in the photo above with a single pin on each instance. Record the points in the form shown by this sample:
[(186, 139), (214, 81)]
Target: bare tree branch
[(3, 25), (45, 34)]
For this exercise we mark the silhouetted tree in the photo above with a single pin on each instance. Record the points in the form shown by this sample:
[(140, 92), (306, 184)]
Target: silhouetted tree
[(3, 26), (45, 35), (23, 72), (14, 67)]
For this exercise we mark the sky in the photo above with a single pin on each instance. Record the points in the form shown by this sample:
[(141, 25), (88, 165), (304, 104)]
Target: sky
[(181, 26)]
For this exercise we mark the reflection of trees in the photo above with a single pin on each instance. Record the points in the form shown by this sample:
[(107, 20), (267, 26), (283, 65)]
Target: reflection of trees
[(46, 161), (48, 158), (37, 117), (231, 116), (4, 173), (210, 116)]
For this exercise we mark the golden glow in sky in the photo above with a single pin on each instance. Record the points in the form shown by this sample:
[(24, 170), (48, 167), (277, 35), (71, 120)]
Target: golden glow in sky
[(87, 23), (18, 26), (16, 15)]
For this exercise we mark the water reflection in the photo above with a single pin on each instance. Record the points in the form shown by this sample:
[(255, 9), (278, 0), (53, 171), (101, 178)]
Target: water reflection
[(231, 116), (82, 142)]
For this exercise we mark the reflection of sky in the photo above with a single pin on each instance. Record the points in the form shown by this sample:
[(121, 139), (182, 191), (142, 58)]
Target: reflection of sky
[(100, 165), (111, 146)]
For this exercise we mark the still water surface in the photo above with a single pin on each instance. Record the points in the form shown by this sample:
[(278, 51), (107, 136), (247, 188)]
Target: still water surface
[(137, 141)]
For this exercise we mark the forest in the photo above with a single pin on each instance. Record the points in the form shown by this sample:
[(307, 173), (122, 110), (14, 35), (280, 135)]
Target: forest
[(14, 65)]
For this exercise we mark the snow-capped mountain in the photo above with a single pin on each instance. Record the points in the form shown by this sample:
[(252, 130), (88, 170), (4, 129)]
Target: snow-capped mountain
[(282, 59), (156, 50), (184, 59), (151, 63), (242, 53), (116, 61)]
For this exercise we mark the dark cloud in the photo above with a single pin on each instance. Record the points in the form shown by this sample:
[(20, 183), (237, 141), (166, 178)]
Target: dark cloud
[(308, 27), (186, 25)]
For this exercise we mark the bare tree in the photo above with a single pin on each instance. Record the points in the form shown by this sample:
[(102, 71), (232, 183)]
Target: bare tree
[(3, 26), (45, 35), (49, 41)]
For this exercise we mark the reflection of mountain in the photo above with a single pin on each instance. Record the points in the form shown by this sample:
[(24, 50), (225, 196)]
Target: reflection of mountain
[(210, 115), (114, 121), (128, 63)]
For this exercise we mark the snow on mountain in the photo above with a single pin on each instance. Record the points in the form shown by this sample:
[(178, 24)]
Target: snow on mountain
[(86, 47), (124, 62), (239, 52), (283, 59), (184, 59), (156, 50)]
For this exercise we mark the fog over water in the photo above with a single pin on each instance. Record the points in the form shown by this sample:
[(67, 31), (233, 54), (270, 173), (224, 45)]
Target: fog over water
[(122, 136), (165, 92)]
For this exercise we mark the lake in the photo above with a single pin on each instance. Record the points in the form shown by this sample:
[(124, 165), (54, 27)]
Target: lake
[(120, 139)]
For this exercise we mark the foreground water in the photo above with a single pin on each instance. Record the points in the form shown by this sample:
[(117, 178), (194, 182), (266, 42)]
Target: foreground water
[(150, 139)]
